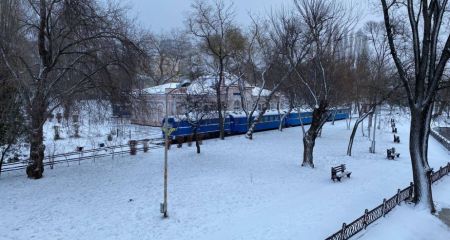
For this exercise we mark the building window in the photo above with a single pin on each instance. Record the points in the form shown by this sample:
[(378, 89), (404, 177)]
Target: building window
[(237, 105)]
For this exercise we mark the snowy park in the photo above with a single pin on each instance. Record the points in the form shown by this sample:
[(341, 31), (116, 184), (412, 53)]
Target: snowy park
[(225, 119), (235, 189)]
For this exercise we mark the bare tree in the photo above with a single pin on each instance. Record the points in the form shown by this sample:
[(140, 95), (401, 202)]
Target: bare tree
[(213, 25), (197, 108), (166, 54), (372, 74), (12, 121), (275, 44), (78, 44), (420, 70), (325, 25)]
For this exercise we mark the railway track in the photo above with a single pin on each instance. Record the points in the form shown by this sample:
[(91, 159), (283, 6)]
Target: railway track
[(78, 156)]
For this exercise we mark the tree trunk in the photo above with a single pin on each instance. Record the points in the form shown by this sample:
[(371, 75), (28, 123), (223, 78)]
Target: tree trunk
[(319, 117), (355, 128), (334, 117), (3, 156), (255, 121), (369, 125), (309, 140), (197, 144), (280, 127), (418, 143), (1, 162), (35, 168)]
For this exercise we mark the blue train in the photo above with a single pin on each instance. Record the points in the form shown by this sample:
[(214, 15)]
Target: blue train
[(237, 123)]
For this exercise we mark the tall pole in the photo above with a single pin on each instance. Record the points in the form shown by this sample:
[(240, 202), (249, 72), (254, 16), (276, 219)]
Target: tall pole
[(374, 130), (166, 148), (167, 131)]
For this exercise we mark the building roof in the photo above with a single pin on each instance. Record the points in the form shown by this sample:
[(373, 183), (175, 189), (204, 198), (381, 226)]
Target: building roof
[(205, 85), (264, 92), (160, 89)]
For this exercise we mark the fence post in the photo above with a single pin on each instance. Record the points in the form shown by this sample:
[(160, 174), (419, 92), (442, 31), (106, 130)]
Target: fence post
[(343, 231), (366, 212), (411, 190), (398, 197), (440, 172), (384, 206)]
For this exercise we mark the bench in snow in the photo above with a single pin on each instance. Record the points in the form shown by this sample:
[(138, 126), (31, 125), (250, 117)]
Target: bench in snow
[(394, 130), (391, 154), (338, 172), (396, 139)]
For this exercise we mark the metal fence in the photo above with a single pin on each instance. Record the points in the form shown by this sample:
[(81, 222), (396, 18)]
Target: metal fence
[(370, 216), (78, 156), (436, 133)]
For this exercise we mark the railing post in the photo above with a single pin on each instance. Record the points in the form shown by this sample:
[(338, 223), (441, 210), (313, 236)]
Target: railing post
[(384, 206), (343, 231), (411, 190), (366, 213), (398, 197)]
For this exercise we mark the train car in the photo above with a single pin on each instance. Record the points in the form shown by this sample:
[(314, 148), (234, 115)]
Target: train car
[(293, 119), (340, 114), (236, 123), (239, 124), (208, 127)]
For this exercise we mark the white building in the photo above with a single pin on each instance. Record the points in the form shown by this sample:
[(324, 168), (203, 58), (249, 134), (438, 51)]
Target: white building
[(150, 109)]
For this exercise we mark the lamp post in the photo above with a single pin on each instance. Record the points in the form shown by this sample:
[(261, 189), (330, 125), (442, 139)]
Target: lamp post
[(167, 131)]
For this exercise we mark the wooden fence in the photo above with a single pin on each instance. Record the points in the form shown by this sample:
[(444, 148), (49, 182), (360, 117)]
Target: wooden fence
[(370, 216)]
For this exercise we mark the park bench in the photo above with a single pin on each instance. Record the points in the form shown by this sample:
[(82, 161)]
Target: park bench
[(338, 172), (396, 139), (391, 154), (394, 130), (392, 123)]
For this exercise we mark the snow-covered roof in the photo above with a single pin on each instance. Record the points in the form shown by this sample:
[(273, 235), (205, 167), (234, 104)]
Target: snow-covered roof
[(199, 87), (160, 89), (267, 113), (206, 84), (264, 92)]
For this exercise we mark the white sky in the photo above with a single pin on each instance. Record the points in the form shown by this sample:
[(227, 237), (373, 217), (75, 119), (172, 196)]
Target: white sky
[(164, 15)]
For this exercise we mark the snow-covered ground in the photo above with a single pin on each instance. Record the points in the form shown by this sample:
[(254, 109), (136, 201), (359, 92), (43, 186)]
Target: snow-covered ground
[(91, 135), (409, 222), (235, 189), (95, 124)]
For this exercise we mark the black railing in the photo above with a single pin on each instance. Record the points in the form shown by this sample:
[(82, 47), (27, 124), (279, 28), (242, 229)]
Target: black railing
[(78, 156), (347, 231)]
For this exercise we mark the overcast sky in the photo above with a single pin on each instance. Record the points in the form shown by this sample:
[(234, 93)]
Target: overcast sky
[(164, 15)]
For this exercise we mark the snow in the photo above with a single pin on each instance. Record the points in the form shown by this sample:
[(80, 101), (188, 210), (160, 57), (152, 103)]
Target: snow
[(95, 124), (205, 85), (409, 222), (234, 189), (264, 92), (160, 89)]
